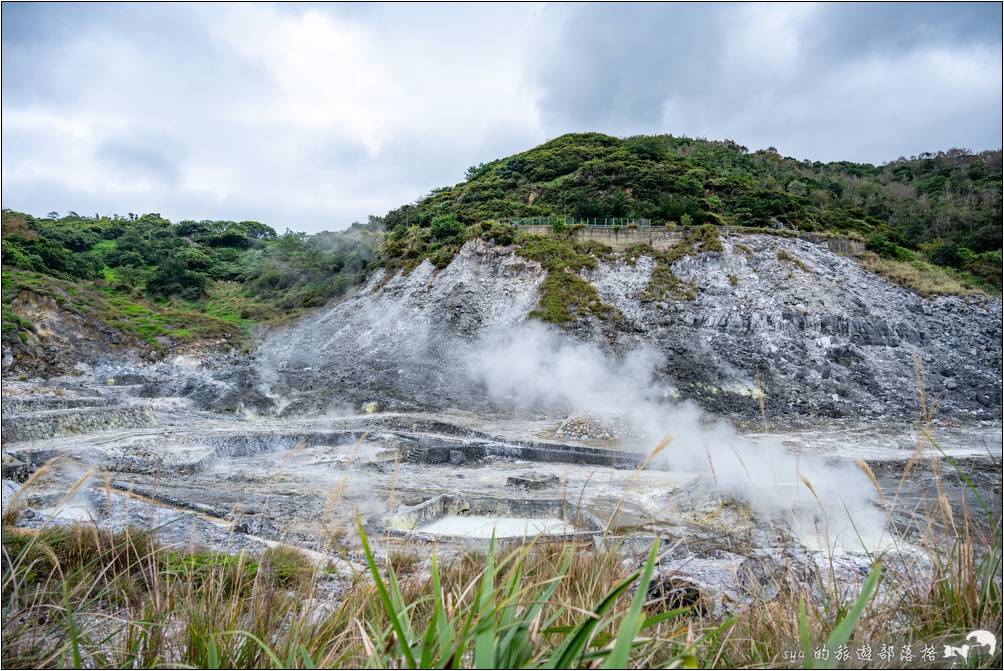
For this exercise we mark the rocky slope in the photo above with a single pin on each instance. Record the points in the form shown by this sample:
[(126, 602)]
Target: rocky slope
[(59, 338), (395, 339), (817, 333)]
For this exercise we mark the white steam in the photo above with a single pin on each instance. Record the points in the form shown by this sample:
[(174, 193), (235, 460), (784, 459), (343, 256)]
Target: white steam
[(533, 367)]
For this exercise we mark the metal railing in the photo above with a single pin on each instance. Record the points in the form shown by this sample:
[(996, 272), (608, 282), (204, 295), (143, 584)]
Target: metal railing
[(588, 222)]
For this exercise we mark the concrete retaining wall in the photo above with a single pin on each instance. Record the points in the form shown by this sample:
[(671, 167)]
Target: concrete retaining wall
[(659, 238)]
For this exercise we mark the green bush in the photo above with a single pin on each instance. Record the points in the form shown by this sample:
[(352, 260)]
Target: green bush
[(446, 227), (887, 249), (908, 203)]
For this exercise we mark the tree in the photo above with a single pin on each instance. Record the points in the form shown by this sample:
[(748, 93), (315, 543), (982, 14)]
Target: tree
[(445, 227)]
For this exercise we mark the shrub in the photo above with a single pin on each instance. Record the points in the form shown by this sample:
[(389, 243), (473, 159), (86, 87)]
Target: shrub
[(173, 278), (887, 249), (446, 227)]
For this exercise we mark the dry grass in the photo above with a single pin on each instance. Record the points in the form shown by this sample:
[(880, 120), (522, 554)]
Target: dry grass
[(924, 278), (783, 255), (80, 596)]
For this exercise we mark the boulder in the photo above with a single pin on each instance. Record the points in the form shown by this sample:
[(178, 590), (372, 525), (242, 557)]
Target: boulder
[(532, 480)]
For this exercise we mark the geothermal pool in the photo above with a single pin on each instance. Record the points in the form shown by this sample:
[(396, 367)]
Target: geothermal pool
[(482, 526)]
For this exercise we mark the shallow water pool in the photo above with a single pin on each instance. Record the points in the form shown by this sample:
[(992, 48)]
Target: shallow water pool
[(481, 526)]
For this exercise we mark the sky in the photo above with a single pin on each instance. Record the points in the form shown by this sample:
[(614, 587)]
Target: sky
[(311, 117)]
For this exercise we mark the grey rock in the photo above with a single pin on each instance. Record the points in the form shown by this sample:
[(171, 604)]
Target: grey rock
[(402, 339), (8, 493), (15, 469), (532, 480), (51, 423)]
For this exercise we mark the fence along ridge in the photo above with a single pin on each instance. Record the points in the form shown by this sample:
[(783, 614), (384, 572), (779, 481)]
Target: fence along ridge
[(598, 222), (590, 222)]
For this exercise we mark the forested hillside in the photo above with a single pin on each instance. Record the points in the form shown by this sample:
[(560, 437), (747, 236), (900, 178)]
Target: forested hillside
[(163, 283), (944, 208)]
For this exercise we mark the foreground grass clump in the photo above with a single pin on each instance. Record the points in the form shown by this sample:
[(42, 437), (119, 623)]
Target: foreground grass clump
[(559, 606), (80, 597), (84, 597)]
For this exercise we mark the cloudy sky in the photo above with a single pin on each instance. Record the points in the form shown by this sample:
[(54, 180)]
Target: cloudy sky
[(313, 116)]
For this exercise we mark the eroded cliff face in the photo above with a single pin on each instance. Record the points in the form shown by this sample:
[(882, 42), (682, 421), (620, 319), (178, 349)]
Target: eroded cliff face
[(60, 339), (812, 331), (819, 334)]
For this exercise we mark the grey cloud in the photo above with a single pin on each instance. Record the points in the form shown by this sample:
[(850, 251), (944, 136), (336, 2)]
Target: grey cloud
[(613, 65), (155, 157), (849, 29), (803, 85), (156, 91)]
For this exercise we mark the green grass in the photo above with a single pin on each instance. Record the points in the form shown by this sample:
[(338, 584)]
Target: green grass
[(564, 295), (77, 596), (663, 283)]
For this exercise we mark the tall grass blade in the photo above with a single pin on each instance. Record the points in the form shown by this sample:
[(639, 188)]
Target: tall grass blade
[(248, 636), (566, 654), (842, 632), (484, 630), (803, 634), (402, 642), (632, 622), (444, 630)]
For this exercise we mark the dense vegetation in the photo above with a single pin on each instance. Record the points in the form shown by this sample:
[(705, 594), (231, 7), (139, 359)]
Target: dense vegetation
[(942, 208), (155, 279)]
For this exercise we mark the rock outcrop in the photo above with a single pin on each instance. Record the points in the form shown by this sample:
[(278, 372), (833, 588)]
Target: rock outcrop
[(784, 321), (814, 332)]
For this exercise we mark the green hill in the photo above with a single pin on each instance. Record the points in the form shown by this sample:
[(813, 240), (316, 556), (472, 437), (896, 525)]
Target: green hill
[(944, 208)]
